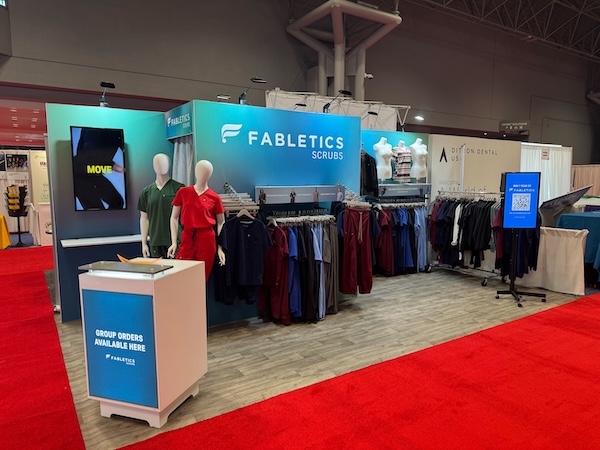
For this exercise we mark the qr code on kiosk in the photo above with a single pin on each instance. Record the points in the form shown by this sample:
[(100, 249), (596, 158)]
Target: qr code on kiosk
[(521, 202)]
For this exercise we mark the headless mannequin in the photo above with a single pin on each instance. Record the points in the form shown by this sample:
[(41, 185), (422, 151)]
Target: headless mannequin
[(203, 171), (383, 156), (402, 158), (418, 170), (161, 164)]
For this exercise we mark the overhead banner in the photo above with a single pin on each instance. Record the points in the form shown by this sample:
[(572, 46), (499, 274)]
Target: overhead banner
[(484, 162), (179, 121), (251, 146)]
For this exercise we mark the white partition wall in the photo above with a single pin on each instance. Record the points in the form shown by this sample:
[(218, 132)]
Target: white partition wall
[(554, 163)]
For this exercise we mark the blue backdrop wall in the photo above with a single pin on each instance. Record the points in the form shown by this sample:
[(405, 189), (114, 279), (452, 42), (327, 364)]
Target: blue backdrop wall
[(251, 146), (144, 134)]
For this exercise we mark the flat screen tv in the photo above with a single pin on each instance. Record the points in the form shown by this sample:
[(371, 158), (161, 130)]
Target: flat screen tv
[(98, 169)]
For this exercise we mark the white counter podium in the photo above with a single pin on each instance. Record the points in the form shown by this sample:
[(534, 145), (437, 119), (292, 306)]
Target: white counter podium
[(144, 336)]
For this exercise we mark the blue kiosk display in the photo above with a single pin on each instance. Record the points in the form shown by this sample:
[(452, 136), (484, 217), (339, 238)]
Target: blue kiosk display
[(521, 200), (522, 193)]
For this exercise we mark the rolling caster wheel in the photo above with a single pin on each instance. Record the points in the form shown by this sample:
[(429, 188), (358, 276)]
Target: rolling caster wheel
[(497, 297), (543, 300), (484, 282), (519, 305)]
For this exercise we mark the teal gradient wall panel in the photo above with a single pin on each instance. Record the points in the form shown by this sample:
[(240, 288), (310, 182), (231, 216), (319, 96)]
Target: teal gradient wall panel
[(145, 135)]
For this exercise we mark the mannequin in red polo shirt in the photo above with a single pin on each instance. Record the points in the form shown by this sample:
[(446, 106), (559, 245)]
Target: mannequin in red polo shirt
[(200, 209)]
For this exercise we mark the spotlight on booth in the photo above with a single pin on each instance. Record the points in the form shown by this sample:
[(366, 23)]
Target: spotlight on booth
[(244, 94), (299, 105), (223, 97), (106, 85), (340, 92), (419, 118), (370, 113)]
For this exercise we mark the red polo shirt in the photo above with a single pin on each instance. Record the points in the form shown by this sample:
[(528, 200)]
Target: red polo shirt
[(198, 211)]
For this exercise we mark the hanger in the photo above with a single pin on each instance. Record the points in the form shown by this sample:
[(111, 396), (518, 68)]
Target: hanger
[(272, 221), (244, 213)]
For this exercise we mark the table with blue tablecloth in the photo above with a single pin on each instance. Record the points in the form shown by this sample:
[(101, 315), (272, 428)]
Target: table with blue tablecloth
[(585, 221)]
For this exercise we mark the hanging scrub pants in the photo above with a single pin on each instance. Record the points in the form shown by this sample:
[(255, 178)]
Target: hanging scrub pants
[(357, 265)]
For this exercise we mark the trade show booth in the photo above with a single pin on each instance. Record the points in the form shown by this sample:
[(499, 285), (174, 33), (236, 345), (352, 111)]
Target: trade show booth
[(252, 146)]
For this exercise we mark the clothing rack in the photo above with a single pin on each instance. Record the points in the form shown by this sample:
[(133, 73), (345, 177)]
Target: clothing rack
[(357, 204), (408, 205), (302, 219), (466, 194), (460, 195)]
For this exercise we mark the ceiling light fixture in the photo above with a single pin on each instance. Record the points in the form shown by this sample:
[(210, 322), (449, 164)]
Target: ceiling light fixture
[(299, 105), (13, 118), (106, 85), (15, 125), (243, 95), (420, 118), (370, 113), (344, 92), (222, 97), (13, 109)]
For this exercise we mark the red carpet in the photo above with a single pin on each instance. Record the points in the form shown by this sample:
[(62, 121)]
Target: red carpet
[(36, 404), (531, 384)]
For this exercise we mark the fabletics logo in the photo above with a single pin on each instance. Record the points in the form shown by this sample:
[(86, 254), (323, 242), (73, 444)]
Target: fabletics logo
[(230, 130)]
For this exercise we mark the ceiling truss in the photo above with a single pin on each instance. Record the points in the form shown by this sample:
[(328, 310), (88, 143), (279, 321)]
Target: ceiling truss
[(569, 25), (572, 26)]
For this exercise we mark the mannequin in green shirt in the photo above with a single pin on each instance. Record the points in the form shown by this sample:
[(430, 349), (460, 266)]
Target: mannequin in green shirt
[(155, 208)]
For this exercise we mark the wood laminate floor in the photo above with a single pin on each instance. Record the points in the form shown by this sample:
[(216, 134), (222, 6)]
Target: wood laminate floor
[(251, 361)]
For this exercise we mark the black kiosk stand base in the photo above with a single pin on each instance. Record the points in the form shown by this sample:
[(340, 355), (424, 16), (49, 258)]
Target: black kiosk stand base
[(517, 295), (20, 243)]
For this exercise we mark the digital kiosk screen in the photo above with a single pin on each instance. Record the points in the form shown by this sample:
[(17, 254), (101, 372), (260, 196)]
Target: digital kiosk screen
[(98, 168)]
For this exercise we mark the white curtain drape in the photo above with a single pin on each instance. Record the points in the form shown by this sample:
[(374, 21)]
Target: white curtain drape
[(184, 160), (560, 262), (555, 170)]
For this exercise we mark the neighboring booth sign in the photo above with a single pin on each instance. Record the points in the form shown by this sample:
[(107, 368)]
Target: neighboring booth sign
[(179, 121), (484, 162), (546, 153), (521, 195), (271, 195), (512, 127), (119, 345)]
